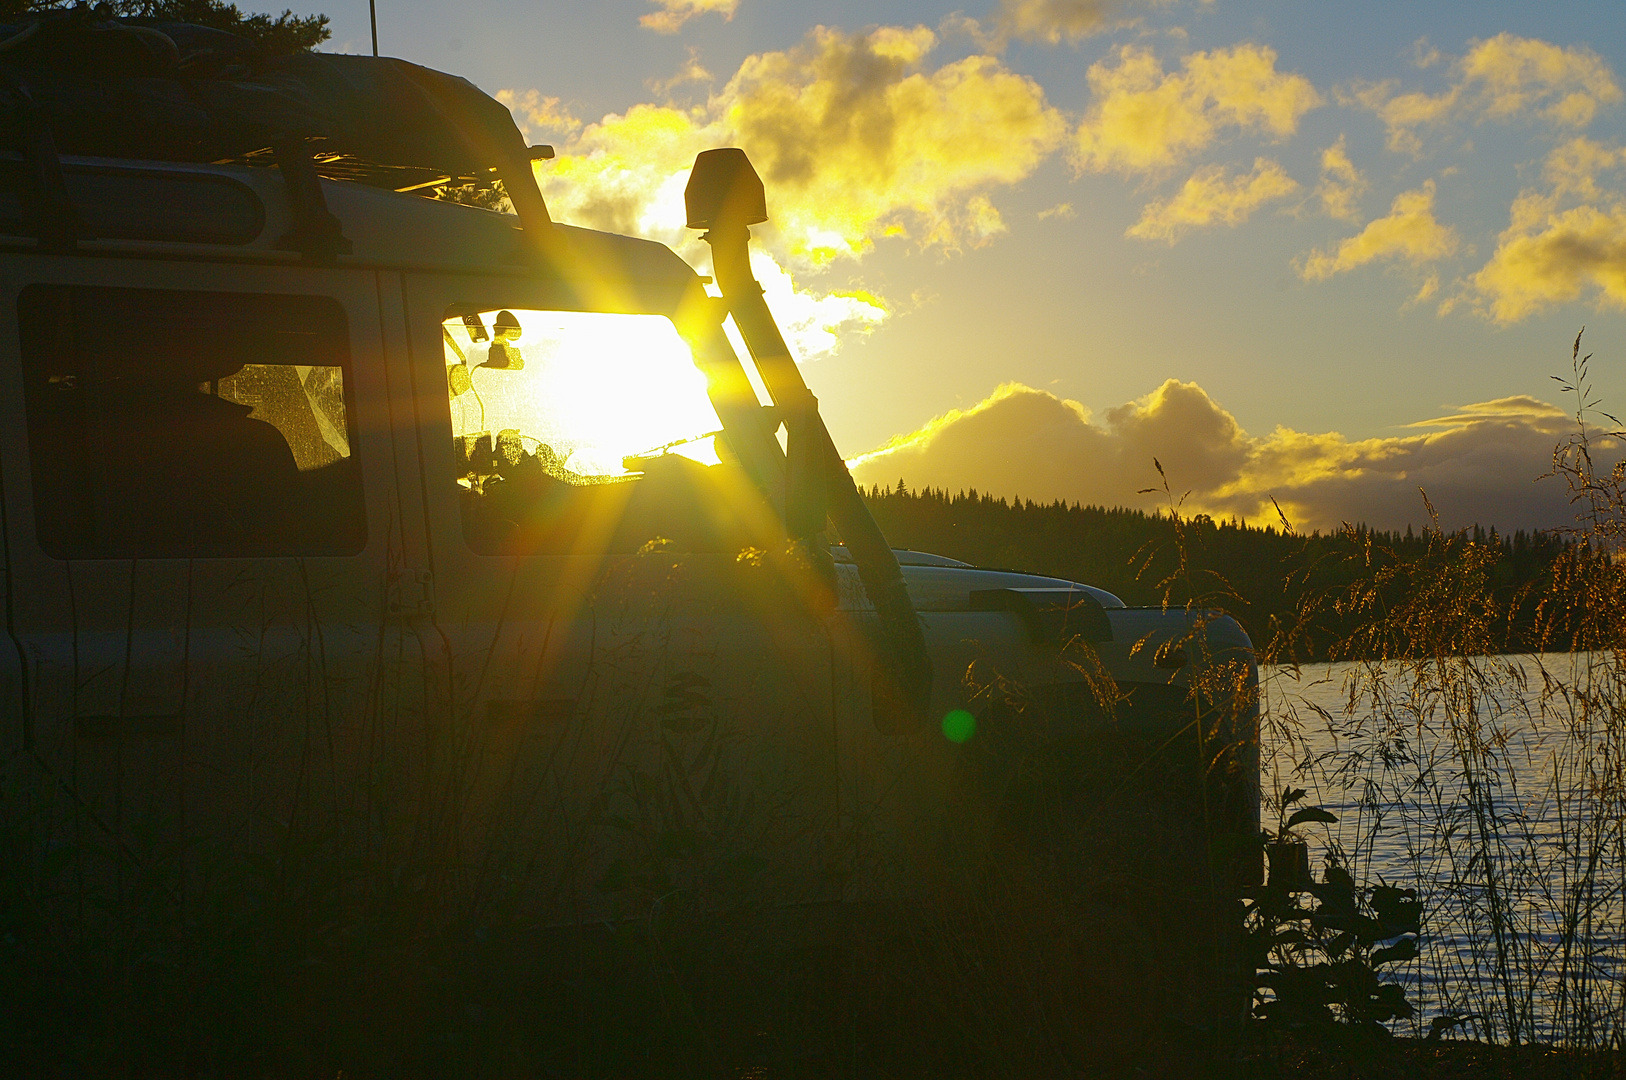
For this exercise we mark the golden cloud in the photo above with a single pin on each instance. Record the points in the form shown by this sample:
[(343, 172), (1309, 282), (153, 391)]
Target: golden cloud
[(1516, 74), (1501, 78), (1342, 184), (1409, 232), (1142, 119), (856, 139), (1573, 168), (1478, 464), (856, 136), (1213, 197), (1548, 256), (1561, 243), (1053, 21), (674, 13), (690, 71), (535, 113)]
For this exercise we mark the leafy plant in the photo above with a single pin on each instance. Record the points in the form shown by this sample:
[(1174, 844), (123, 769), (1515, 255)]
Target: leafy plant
[(1318, 948)]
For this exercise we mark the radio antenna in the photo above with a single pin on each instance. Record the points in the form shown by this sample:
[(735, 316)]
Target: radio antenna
[(372, 13)]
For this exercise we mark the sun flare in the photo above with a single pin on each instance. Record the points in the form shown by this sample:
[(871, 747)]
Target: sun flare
[(595, 389)]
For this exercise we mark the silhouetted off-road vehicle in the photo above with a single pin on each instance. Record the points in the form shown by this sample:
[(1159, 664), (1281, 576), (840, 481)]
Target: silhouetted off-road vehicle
[(465, 542)]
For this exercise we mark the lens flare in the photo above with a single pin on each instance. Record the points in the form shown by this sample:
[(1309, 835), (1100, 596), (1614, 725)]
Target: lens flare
[(958, 726)]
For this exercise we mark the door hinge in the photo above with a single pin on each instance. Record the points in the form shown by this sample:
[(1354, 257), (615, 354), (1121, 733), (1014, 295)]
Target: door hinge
[(412, 592)]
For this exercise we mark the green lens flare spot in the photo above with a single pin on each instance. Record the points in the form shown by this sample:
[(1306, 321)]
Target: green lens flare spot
[(958, 726)]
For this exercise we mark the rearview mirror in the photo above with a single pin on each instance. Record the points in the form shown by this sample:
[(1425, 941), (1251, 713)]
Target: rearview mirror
[(505, 329)]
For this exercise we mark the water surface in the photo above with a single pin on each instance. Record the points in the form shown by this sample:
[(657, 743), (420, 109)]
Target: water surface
[(1494, 787)]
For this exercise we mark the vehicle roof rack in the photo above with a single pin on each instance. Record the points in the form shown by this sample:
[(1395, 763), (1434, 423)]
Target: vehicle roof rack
[(76, 82)]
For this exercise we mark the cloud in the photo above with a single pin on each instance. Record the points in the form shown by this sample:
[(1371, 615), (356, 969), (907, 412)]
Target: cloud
[(1573, 168), (1142, 119), (1213, 197), (690, 71), (856, 136), (1050, 21), (674, 13), (1501, 78), (1516, 75), (814, 323), (1478, 464), (535, 113), (1342, 184), (1062, 210), (1424, 55), (1561, 243), (1054, 21), (1547, 257), (1409, 232)]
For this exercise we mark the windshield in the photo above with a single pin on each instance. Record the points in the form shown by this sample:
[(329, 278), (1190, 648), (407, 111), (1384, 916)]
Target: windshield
[(576, 432), (591, 396)]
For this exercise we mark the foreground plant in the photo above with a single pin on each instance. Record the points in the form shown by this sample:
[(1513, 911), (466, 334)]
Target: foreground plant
[(1318, 947)]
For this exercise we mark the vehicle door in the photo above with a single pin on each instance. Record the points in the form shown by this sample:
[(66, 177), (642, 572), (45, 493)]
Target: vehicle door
[(203, 534), (645, 687)]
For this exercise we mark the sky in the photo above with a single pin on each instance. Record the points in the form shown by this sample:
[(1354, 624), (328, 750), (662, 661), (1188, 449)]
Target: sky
[(1324, 257)]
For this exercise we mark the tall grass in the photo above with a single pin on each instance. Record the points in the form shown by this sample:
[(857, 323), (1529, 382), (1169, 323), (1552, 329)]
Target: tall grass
[(393, 868), (1492, 783)]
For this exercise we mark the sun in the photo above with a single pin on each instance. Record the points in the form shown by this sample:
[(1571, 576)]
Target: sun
[(596, 389)]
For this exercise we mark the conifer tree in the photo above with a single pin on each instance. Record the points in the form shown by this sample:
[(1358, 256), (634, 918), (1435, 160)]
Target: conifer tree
[(279, 34)]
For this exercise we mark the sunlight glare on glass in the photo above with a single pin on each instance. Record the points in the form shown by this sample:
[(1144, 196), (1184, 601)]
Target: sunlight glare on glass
[(958, 726), (595, 388)]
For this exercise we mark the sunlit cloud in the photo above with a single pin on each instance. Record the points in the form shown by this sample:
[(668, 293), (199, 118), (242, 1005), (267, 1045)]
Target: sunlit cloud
[(1212, 196), (1142, 119), (1408, 233), (1562, 243), (815, 323), (690, 71), (539, 116), (672, 14), (1549, 256), (1055, 21), (856, 136), (1573, 168), (1564, 86), (1342, 184), (1478, 463), (1052, 22), (1502, 78)]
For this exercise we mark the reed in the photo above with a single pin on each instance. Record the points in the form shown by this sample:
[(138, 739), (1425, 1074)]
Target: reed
[(1490, 782)]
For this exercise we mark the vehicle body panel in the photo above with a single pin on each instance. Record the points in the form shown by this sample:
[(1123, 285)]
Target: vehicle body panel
[(598, 724)]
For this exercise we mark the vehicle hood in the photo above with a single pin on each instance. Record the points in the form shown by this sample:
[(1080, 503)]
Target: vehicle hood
[(936, 583)]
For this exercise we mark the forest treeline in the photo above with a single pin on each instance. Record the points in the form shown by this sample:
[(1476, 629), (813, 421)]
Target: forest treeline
[(1290, 591)]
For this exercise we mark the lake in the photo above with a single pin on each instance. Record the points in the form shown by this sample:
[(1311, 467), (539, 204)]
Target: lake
[(1497, 788)]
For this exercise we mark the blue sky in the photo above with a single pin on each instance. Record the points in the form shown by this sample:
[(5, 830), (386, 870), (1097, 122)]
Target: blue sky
[(1092, 264)]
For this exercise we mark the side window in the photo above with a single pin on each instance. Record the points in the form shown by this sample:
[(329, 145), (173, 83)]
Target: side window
[(166, 424), (587, 431)]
